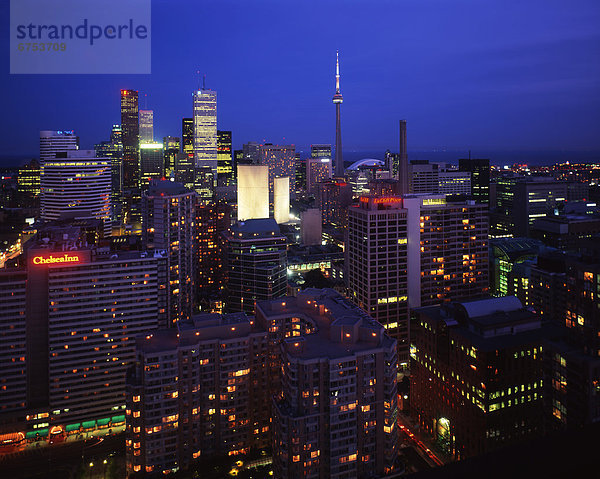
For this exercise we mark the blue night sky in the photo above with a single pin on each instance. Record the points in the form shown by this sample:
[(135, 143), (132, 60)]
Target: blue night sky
[(479, 74)]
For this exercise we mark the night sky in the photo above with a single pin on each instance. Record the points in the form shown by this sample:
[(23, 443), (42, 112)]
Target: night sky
[(480, 74)]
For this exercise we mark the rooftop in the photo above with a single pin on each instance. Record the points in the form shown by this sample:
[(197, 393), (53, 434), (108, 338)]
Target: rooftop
[(166, 187)]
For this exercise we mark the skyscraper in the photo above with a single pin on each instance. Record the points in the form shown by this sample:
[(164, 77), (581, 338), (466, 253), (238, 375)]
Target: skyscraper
[(130, 127), (205, 141), (337, 101), (224, 158), (281, 161), (252, 192), (146, 126), (52, 142), (76, 185), (480, 178), (281, 199), (403, 162), (151, 162), (171, 147), (187, 136)]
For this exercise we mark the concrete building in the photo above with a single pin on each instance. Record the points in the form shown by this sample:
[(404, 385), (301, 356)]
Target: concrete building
[(565, 231), (335, 407), (76, 184), (311, 227), (28, 179), (197, 391), (255, 263), (146, 126), (281, 199), (253, 192), (333, 198), (168, 212), (152, 163), (317, 170), (281, 161), (476, 374), (337, 101), (53, 142)]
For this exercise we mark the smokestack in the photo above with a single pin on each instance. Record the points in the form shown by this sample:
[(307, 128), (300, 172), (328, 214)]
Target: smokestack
[(403, 161)]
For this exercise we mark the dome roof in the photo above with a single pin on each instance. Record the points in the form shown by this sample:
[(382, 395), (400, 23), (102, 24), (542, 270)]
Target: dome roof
[(367, 162)]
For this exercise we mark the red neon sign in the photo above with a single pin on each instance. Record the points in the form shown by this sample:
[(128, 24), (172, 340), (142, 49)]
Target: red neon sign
[(64, 258)]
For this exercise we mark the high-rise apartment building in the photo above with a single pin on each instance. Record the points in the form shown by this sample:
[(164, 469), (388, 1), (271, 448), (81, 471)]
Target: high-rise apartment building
[(480, 178), (224, 158), (52, 142), (280, 159), (168, 213), (205, 141), (317, 171), (255, 263), (476, 374), (197, 391), (146, 126), (333, 372), (76, 185), (130, 136), (333, 198)]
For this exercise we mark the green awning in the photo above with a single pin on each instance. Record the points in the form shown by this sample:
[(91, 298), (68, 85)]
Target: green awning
[(118, 419), (34, 434), (88, 424), (31, 434), (103, 422), (73, 427)]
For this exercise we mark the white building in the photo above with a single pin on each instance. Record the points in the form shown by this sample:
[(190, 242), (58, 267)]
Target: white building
[(253, 192), (146, 126), (76, 185), (281, 203), (52, 142)]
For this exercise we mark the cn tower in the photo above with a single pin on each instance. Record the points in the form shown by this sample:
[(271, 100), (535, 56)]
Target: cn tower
[(337, 100)]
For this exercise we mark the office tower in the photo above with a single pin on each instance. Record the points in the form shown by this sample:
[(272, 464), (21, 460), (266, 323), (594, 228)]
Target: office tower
[(251, 151), (28, 179), (451, 182), (505, 254), (199, 391), (13, 341), (238, 159), (317, 170), (520, 201), (403, 173), (212, 220), (168, 213), (281, 199), (76, 185), (333, 198), (205, 141), (320, 151), (377, 256), (146, 120), (253, 192), (171, 148), (280, 159), (152, 158), (476, 374), (311, 227), (187, 136), (565, 231), (480, 178), (255, 263), (300, 164), (79, 309), (184, 170), (337, 101), (113, 149), (224, 158), (392, 163), (423, 177), (130, 137), (53, 142), (448, 253), (335, 413)]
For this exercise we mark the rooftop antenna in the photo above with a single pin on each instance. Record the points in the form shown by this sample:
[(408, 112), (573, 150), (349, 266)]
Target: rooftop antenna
[(198, 72), (145, 101)]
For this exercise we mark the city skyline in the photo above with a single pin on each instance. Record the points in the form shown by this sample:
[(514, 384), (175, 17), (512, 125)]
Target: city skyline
[(501, 92)]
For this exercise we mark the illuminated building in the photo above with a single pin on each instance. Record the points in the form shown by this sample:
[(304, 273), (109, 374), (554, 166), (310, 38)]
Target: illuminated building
[(151, 162), (113, 149), (252, 192), (130, 137), (565, 231), (184, 170), (505, 253), (300, 164), (311, 227), (281, 199), (521, 201), (434, 178), (480, 178), (197, 391), (171, 148), (28, 180), (255, 263), (53, 142), (168, 213), (205, 141), (334, 383), (187, 136), (224, 158), (320, 151), (333, 198), (476, 374), (317, 171), (377, 255), (76, 185), (251, 153), (281, 162), (78, 307), (212, 220), (392, 163), (146, 118), (451, 182), (337, 101)]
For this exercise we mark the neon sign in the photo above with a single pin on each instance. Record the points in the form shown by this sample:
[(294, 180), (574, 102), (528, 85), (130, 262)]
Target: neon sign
[(64, 258)]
